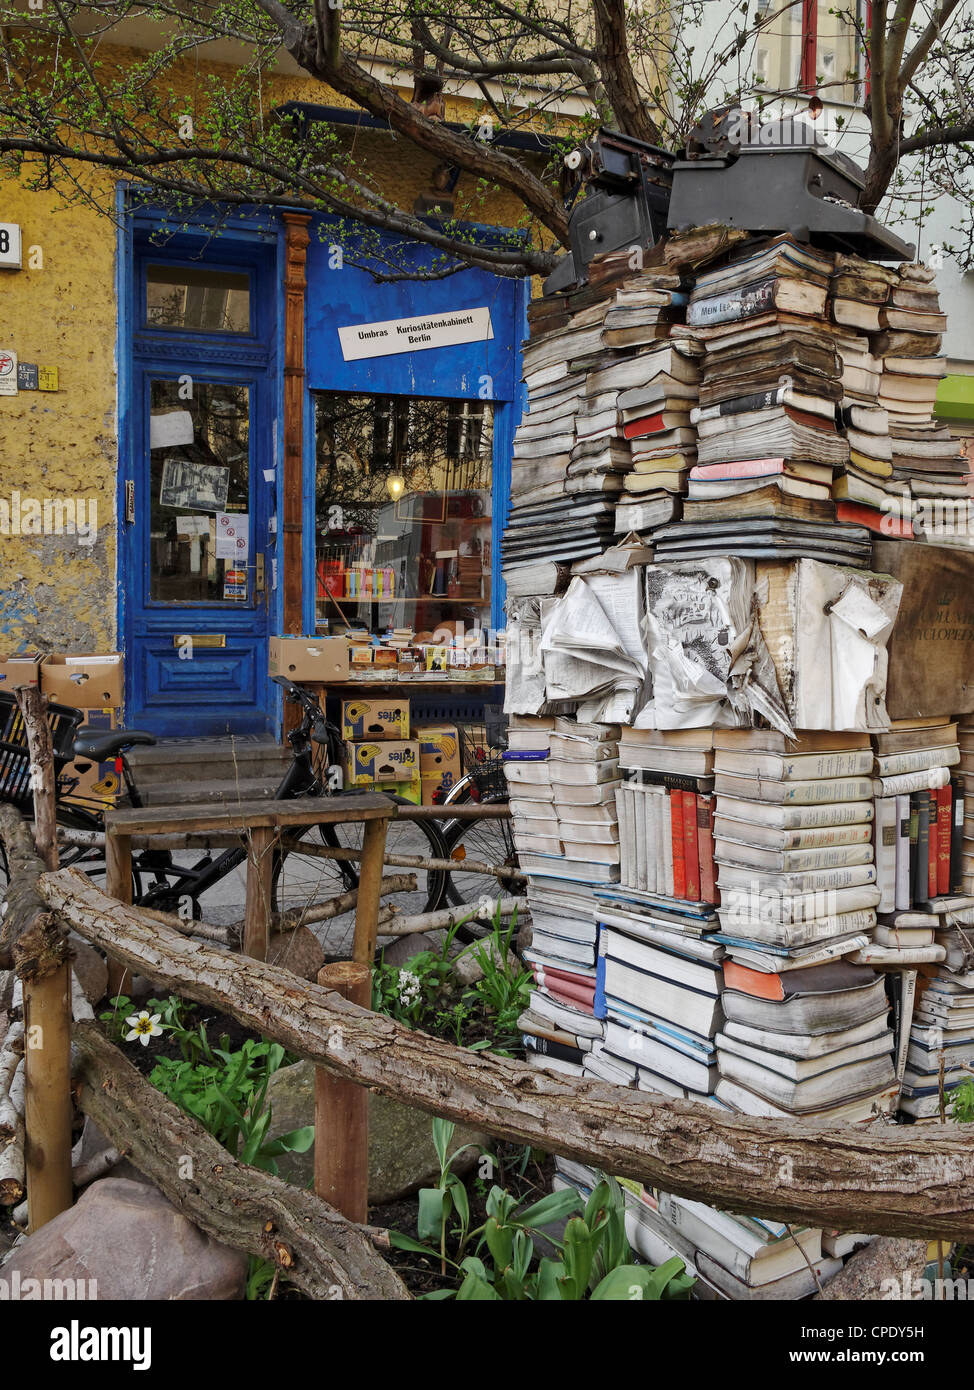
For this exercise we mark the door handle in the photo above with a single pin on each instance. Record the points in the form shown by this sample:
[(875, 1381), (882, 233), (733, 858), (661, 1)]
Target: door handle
[(259, 579)]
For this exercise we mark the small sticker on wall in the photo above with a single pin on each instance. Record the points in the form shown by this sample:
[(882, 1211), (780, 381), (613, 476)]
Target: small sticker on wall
[(8, 372)]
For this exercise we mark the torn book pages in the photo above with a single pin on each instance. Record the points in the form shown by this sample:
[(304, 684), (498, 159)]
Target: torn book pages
[(827, 628), (594, 647), (708, 660), (524, 692)]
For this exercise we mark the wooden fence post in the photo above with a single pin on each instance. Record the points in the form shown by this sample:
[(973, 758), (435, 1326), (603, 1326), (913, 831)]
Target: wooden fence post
[(257, 912), (342, 1109), (44, 967)]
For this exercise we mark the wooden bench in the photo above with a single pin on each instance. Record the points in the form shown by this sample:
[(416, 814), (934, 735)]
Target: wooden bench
[(260, 825)]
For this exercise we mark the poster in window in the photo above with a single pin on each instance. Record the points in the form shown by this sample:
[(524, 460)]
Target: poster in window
[(419, 507), (196, 487)]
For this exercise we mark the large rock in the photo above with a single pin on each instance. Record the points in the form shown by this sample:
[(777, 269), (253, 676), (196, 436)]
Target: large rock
[(401, 1153), (133, 1243), (90, 967), (299, 951)]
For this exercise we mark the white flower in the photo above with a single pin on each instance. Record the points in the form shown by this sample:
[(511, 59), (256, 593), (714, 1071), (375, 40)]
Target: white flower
[(408, 988), (143, 1027)]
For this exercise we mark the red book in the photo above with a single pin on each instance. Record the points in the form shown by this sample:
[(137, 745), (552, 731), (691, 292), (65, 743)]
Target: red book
[(679, 845), (691, 851), (565, 976), (945, 798), (933, 845), (705, 843), (876, 521), (585, 1006), (742, 468)]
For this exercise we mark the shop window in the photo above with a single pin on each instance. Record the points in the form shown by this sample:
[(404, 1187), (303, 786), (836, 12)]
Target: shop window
[(197, 298), (403, 514)]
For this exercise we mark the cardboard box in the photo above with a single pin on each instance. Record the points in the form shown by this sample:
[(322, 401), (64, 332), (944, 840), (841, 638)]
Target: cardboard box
[(409, 791), (96, 783), (308, 658), (387, 718), (20, 669), (84, 682), (377, 762), (439, 760)]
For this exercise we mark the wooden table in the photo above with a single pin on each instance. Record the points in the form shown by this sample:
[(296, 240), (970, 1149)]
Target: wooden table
[(260, 825)]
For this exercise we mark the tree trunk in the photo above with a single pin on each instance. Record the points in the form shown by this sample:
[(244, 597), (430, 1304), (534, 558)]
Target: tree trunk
[(895, 1181), (325, 1255), (23, 906), (33, 707)]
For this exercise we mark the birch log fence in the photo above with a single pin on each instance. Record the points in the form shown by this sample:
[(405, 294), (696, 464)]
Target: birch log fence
[(900, 1180)]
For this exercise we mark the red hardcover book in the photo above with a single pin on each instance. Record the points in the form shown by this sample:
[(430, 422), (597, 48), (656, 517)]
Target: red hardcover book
[(945, 798), (933, 845), (584, 1006), (679, 845), (883, 525), (564, 975), (691, 849), (705, 843)]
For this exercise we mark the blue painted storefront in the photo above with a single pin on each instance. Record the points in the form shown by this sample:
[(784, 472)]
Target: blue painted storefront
[(225, 689)]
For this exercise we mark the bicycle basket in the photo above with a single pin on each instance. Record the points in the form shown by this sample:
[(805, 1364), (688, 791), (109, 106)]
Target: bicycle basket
[(15, 785), (481, 760)]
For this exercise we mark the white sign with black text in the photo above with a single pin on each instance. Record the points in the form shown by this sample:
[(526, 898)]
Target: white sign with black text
[(10, 253), (416, 334)]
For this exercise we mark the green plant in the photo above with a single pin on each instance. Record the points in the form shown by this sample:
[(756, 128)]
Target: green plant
[(229, 1098), (594, 1259), (960, 1102), (114, 1018), (260, 1279)]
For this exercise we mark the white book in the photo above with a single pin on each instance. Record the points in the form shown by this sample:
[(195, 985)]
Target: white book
[(795, 817), (625, 839), (791, 860), (885, 828), (930, 779), (904, 1021), (804, 1068), (739, 1250), (902, 886), (789, 841), (802, 1045), (640, 845)]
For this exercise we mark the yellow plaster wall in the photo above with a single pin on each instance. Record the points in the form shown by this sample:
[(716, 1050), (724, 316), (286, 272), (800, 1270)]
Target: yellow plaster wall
[(55, 592)]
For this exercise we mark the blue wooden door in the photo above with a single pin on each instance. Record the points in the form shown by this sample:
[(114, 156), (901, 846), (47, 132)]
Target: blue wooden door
[(197, 532)]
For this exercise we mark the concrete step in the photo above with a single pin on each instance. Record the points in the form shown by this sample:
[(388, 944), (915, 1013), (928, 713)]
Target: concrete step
[(225, 791), (178, 762)]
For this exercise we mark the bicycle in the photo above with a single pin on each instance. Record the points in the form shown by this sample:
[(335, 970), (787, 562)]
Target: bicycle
[(490, 840), (158, 880)]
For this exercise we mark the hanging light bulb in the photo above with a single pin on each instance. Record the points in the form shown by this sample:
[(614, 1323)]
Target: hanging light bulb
[(395, 485)]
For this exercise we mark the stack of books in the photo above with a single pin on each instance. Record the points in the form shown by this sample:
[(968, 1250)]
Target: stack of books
[(738, 1258), (665, 809), (658, 989), (940, 1047), (807, 1030), (965, 771), (560, 1027), (919, 815)]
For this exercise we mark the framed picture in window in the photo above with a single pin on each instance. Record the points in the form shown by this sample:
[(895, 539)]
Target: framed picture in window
[(415, 508)]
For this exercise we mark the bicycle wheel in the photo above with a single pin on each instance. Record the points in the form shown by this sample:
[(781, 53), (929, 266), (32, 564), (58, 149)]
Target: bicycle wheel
[(303, 880), (487, 841), (90, 859)]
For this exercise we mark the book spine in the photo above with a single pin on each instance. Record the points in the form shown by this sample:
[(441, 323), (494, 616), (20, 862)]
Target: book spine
[(665, 808), (758, 400), (654, 860), (921, 863), (599, 1007), (742, 303), (933, 841), (679, 844), (885, 852), (549, 1048), (641, 836), (929, 779), (625, 850), (705, 843), (904, 1018), (691, 850), (920, 760), (944, 821), (902, 853), (957, 836)]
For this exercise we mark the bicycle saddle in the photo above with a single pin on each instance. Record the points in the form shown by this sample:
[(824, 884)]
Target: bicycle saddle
[(98, 746)]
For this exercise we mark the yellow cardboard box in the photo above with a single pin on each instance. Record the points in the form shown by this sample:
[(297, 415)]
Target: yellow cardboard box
[(383, 719), (409, 791), (85, 682), (95, 783), (380, 761), (439, 760), (308, 658)]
